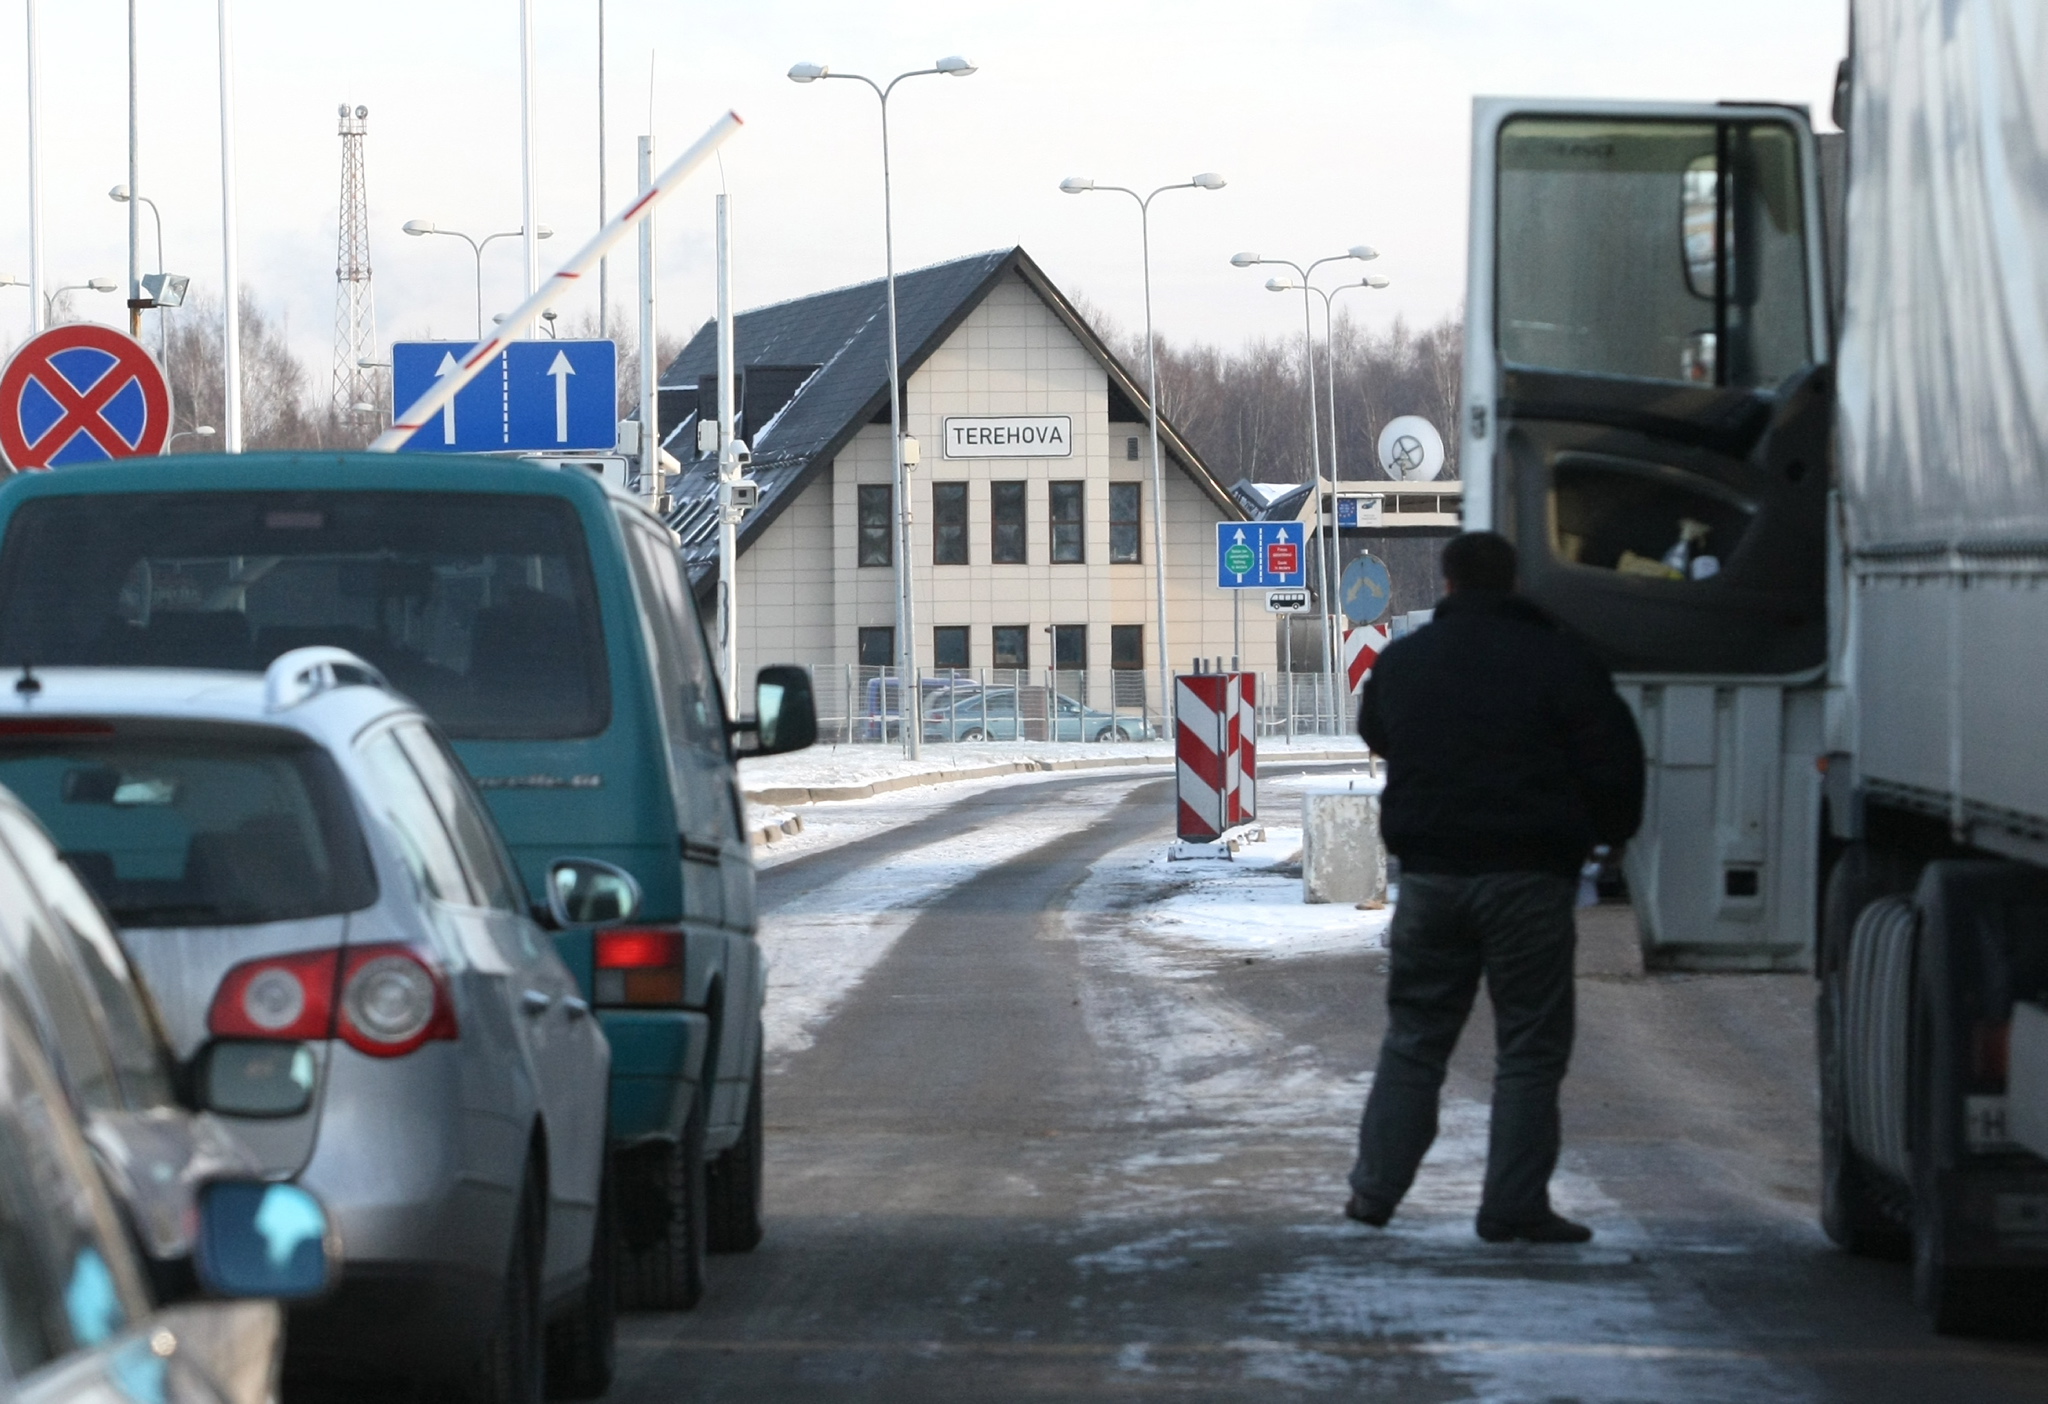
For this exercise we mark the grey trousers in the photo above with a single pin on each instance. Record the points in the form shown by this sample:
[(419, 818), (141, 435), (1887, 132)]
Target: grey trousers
[(1516, 930)]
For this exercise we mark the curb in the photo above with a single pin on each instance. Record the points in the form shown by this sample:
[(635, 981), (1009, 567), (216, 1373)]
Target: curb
[(793, 794)]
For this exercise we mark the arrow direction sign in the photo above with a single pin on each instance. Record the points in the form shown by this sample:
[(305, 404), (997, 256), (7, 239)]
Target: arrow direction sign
[(1261, 555), (447, 367), (536, 395), (472, 422), (561, 395)]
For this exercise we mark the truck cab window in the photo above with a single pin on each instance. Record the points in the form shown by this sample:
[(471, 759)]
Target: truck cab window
[(1657, 250)]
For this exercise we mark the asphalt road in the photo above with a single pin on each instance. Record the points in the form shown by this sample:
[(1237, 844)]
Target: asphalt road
[(1043, 1152)]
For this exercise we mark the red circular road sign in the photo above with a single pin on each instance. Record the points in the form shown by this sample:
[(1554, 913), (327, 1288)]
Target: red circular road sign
[(82, 393)]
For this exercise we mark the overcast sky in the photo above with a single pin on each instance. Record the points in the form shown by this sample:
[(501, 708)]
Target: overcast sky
[(1334, 123)]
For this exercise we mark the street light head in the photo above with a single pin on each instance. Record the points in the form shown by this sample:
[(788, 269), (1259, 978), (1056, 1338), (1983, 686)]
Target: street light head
[(1077, 185), (541, 231), (8, 280), (102, 284), (1281, 285), (1209, 180), (1377, 280), (417, 227), (204, 431), (1244, 260), (955, 65), (807, 72), (1364, 253), (119, 194)]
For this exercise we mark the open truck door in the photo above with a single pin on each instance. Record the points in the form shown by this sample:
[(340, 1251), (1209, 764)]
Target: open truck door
[(1647, 415)]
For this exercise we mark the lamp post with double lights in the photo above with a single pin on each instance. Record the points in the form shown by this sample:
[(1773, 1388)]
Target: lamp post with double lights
[(420, 228), (910, 698), (1207, 180), (1332, 650)]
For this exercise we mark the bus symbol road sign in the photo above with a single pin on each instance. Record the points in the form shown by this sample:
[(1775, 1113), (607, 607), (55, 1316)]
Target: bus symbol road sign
[(1287, 602), (544, 396), (82, 393), (1260, 555)]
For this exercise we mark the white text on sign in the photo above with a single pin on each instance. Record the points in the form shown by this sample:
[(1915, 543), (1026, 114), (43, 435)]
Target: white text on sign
[(1009, 436)]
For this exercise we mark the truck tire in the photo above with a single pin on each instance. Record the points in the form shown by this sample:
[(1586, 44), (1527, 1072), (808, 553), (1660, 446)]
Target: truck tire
[(662, 1267), (734, 1181), (583, 1346)]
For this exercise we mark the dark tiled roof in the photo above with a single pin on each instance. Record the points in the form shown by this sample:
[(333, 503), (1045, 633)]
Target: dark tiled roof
[(845, 334)]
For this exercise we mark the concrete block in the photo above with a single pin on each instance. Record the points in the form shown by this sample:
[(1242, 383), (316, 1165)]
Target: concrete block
[(1342, 859)]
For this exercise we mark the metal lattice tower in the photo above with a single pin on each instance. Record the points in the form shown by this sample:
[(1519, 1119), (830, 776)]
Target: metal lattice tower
[(355, 310)]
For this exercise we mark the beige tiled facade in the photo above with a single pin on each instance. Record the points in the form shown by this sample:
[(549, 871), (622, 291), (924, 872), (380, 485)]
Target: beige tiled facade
[(803, 597)]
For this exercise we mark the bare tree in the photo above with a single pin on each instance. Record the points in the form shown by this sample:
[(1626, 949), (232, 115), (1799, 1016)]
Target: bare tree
[(280, 406), (1246, 410)]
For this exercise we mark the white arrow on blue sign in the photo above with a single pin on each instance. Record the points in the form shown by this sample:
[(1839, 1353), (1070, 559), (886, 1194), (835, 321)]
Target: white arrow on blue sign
[(1261, 555), (540, 396)]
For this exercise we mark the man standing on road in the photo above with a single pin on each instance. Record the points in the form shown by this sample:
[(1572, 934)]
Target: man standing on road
[(1509, 756)]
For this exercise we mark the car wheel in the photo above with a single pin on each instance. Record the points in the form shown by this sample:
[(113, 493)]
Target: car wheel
[(734, 1182), (583, 1346), (1111, 733), (508, 1369), (662, 1268), (974, 733)]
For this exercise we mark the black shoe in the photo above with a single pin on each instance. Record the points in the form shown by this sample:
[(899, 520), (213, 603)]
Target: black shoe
[(1551, 1228), (1368, 1211)]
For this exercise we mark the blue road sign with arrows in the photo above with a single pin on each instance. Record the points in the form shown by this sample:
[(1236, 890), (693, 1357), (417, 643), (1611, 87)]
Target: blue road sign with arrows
[(543, 396), (1261, 555)]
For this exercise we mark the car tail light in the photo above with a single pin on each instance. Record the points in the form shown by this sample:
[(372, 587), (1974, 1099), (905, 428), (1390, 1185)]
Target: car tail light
[(392, 1001), (640, 965), (280, 997)]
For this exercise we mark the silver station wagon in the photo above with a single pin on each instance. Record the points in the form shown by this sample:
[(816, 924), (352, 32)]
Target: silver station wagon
[(343, 956)]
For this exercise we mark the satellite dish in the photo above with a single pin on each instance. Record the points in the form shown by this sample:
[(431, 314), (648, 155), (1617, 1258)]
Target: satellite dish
[(1411, 450)]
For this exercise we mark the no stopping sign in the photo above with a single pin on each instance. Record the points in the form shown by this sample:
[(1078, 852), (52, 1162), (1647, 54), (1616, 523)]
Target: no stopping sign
[(82, 393)]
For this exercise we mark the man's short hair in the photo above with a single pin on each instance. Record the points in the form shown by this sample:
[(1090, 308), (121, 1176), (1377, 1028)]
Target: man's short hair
[(1479, 560)]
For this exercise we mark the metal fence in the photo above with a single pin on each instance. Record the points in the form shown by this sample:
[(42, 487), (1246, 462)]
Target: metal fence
[(858, 704)]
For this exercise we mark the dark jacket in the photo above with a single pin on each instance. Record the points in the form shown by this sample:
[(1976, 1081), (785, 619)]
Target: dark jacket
[(1507, 747)]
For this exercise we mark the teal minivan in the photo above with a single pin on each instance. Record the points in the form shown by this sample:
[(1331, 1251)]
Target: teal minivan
[(543, 619)]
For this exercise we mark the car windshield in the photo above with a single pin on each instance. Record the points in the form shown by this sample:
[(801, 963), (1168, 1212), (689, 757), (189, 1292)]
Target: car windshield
[(478, 606), (196, 832)]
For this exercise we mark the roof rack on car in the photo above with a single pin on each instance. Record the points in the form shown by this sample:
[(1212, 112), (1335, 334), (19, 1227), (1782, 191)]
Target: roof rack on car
[(305, 673)]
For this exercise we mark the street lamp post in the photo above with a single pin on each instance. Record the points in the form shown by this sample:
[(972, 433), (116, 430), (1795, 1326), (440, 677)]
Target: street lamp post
[(420, 228), (89, 285), (1081, 185), (910, 696), (1332, 662), (1331, 555)]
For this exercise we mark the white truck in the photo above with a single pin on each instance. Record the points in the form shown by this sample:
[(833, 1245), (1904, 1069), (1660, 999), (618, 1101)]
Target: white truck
[(1783, 457)]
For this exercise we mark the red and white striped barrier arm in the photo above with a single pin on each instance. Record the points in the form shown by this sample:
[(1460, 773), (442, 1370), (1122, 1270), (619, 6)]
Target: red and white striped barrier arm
[(420, 411)]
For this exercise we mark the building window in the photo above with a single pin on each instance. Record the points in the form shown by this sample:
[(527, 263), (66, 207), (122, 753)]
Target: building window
[(949, 524), (878, 647), (876, 528), (1006, 522), (1123, 523), (1012, 645), (1069, 647), (1067, 523), (1127, 646), (1131, 449), (949, 646)]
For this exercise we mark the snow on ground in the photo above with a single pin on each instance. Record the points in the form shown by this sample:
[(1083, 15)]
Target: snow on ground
[(822, 943), (834, 765)]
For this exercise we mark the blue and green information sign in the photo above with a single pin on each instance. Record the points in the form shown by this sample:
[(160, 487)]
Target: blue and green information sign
[(1261, 555)]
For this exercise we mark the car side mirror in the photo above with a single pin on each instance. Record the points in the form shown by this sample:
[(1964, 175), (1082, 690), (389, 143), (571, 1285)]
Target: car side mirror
[(785, 714), (250, 1078), (263, 1239), (590, 892)]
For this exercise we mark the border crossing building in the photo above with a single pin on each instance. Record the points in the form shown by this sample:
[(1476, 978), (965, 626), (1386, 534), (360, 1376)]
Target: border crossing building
[(1032, 506)]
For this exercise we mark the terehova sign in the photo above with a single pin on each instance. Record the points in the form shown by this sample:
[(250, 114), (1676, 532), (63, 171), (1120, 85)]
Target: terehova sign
[(1009, 436)]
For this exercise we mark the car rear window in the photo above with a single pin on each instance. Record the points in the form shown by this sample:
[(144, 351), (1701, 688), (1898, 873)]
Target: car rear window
[(480, 607), (198, 831)]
